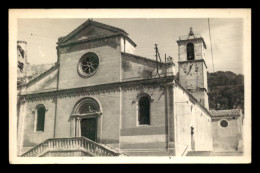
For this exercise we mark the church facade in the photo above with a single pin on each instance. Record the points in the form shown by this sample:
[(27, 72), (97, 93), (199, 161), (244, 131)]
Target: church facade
[(100, 99)]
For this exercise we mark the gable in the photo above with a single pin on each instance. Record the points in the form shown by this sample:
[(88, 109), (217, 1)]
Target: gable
[(90, 29), (90, 32)]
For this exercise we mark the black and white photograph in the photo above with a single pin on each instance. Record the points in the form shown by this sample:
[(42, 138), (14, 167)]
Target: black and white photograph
[(118, 86)]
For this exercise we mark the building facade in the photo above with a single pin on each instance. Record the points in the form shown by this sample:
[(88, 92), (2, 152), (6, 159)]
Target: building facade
[(100, 95)]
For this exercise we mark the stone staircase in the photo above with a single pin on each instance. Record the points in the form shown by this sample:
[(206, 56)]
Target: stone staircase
[(72, 147)]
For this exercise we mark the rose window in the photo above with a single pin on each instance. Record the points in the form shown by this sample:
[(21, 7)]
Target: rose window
[(88, 64)]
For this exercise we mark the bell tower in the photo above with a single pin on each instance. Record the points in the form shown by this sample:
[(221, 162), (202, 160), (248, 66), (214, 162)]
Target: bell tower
[(192, 66)]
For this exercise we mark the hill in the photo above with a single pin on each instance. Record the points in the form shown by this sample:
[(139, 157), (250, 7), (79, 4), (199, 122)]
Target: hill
[(226, 90)]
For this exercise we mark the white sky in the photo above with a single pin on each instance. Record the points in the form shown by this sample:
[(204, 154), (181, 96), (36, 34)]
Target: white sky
[(226, 34)]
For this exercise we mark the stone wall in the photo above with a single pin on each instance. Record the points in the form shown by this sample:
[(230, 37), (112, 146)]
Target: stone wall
[(29, 136), (108, 122), (195, 79), (135, 136), (108, 51), (136, 68), (107, 128)]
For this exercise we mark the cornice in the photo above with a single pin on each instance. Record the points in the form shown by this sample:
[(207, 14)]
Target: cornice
[(99, 89), (195, 60), (194, 39), (70, 43), (86, 40)]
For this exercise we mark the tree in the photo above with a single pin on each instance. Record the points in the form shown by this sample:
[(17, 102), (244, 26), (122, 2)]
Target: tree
[(226, 90)]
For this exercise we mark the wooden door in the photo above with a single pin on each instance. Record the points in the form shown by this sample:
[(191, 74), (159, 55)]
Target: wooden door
[(88, 128)]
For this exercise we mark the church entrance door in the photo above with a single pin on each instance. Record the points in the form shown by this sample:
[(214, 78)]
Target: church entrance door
[(88, 128)]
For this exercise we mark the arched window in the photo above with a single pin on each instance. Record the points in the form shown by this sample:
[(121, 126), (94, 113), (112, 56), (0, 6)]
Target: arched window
[(144, 110), (190, 51), (40, 118)]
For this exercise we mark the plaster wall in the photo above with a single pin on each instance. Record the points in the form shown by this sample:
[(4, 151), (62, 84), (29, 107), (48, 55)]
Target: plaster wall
[(189, 114), (227, 139)]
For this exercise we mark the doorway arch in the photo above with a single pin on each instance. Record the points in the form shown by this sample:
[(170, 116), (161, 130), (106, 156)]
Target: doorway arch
[(86, 119)]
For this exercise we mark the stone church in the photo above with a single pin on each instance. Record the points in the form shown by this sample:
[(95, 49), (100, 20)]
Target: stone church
[(100, 99)]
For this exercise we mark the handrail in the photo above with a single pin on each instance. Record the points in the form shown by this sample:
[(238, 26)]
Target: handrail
[(78, 143)]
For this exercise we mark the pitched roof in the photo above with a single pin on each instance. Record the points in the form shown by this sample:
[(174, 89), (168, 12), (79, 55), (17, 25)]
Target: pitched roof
[(87, 23), (224, 113)]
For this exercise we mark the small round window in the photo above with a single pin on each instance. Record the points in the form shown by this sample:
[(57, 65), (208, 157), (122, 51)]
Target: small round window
[(88, 64), (223, 123)]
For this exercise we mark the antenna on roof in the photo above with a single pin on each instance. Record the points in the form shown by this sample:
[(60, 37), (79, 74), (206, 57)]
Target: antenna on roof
[(157, 55)]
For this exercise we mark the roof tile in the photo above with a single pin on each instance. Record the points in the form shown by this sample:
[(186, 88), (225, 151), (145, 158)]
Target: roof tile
[(223, 113)]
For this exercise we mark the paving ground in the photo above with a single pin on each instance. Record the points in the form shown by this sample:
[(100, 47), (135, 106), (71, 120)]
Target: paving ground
[(207, 153)]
